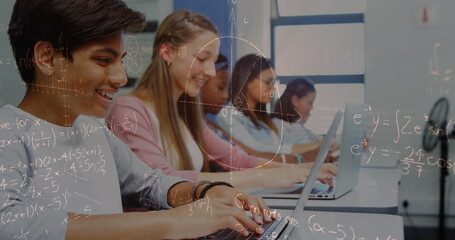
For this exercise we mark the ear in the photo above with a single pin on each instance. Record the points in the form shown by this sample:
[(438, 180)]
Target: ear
[(166, 53), (44, 57), (295, 100)]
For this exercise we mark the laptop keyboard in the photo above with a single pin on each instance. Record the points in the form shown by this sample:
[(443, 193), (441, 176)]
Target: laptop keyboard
[(229, 234)]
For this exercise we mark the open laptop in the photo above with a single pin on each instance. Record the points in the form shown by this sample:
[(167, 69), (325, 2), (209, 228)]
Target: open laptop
[(279, 228), (349, 157), (350, 153)]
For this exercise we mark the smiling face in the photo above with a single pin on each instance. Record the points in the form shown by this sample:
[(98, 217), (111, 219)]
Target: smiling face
[(214, 93), (96, 70), (260, 89), (192, 64), (304, 105), (84, 84)]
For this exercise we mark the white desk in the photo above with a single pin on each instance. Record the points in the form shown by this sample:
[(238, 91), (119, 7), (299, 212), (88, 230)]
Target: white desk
[(346, 226), (376, 192)]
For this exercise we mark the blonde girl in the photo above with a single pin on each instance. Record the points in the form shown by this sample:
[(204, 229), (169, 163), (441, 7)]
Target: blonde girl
[(161, 119)]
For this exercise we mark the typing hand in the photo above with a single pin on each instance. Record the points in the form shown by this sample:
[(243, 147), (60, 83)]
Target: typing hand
[(235, 198), (285, 177), (326, 174), (334, 147), (209, 215), (327, 168)]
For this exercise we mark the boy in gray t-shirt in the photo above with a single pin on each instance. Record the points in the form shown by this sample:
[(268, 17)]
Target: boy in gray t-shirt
[(63, 175)]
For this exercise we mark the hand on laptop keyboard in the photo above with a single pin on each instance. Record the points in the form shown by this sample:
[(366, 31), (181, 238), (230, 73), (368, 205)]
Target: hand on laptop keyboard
[(221, 207), (235, 198), (326, 174), (228, 234)]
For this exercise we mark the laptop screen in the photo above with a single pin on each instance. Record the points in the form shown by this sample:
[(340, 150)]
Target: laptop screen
[(298, 211)]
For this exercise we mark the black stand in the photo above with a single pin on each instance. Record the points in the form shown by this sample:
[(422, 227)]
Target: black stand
[(442, 182)]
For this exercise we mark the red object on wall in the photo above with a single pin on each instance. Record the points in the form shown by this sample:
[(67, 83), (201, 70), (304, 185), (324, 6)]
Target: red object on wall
[(425, 15)]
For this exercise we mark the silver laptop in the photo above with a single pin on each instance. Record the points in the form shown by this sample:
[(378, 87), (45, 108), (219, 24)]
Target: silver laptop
[(349, 157), (350, 153), (280, 229)]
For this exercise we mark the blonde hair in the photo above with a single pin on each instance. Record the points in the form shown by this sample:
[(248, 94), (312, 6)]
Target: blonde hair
[(178, 28)]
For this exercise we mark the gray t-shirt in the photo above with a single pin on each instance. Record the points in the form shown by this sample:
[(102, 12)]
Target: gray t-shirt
[(47, 171)]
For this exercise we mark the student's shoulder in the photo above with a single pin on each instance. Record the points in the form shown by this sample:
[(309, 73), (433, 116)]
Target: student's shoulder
[(13, 118), (127, 99), (129, 102), (88, 121), (15, 124), (7, 112)]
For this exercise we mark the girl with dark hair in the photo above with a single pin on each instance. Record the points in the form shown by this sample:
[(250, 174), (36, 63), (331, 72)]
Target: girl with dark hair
[(294, 107), (246, 118)]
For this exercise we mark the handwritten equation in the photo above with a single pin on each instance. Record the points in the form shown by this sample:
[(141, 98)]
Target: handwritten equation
[(340, 231), (327, 231), (43, 138), (3, 28), (402, 125), (441, 78), (7, 61)]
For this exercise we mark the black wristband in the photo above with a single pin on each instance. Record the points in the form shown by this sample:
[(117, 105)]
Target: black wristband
[(211, 185), (196, 186)]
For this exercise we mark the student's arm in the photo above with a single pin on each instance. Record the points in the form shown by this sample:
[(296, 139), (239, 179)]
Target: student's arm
[(144, 185), (275, 157), (226, 156), (189, 221), (129, 119), (143, 142), (21, 214), (259, 178), (223, 206), (238, 129), (304, 148), (231, 157), (266, 155), (117, 226), (280, 177)]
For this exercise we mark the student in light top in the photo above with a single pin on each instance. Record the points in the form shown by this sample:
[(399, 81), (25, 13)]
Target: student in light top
[(246, 119), (293, 109), (63, 174), (161, 119), (214, 95), (294, 106)]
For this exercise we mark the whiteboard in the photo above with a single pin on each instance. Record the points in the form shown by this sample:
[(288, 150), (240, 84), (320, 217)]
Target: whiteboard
[(325, 49), (302, 7)]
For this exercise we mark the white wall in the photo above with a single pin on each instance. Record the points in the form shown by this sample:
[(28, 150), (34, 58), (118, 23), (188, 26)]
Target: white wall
[(398, 78), (253, 25), (398, 81)]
